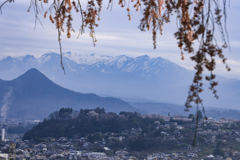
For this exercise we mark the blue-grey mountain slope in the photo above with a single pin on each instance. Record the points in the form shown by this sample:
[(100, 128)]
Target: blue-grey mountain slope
[(121, 76), (34, 96), (141, 78)]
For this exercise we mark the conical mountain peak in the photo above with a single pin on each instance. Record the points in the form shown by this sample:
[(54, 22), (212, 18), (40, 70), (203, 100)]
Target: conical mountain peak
[(32, 74)]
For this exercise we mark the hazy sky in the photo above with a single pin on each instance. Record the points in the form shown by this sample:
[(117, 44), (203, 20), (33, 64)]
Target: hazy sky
[(116, 35)]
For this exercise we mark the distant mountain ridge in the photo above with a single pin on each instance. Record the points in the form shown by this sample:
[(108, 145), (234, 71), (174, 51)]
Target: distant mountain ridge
[(143, 64), (120, 76), (141, 78), (34, 96)]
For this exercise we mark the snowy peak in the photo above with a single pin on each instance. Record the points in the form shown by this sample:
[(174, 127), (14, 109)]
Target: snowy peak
[(26, 58), (87, 59), (47, 57), (143, 57)]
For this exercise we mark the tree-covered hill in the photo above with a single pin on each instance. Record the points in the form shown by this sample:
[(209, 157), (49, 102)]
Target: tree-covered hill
[(69, 123)]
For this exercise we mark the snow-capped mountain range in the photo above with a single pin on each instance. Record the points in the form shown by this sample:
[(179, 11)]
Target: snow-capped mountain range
[(77, 64), (140, 79), (142, 63)]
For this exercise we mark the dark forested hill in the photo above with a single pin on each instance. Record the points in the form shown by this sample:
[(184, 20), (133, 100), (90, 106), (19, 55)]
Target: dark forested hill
[(33, 96), (65, 123)]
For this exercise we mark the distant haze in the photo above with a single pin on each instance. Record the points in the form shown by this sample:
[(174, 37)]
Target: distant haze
[(5, 103), (137, 79)]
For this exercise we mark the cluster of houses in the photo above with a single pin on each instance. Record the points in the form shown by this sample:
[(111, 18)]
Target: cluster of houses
[(191, 156), (60, 149), (64, 148)]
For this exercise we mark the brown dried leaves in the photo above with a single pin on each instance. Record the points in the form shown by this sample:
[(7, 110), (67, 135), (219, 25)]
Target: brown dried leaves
[(152, 17), (90, 18)]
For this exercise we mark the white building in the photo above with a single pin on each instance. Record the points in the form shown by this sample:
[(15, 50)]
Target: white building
[(96, 154), (4, 156), (3, 134)]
